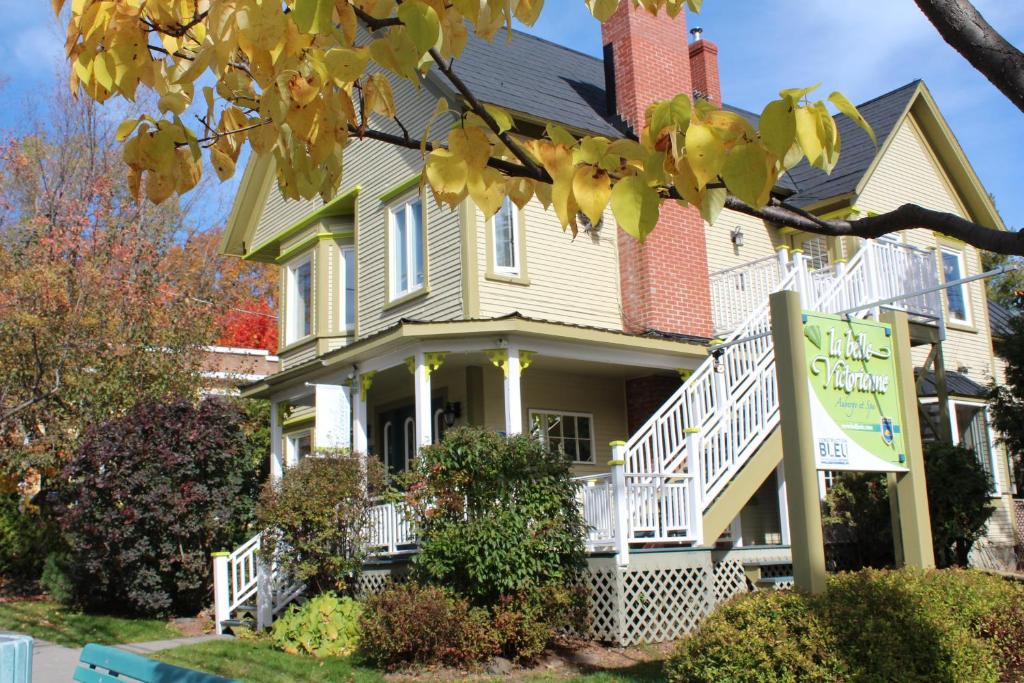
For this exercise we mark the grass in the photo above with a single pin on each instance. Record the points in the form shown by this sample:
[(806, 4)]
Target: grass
[(256, 661), (49, 621)]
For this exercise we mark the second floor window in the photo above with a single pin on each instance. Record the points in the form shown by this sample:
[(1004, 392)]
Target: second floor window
[(299, 283), (407, 247), (506, 243), (567, 433), (348, 288), (956, 296)]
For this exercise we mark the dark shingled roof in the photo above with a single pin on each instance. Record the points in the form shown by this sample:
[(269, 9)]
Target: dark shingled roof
[(554, 83), (956, 385), (538, 77), (999, 320)]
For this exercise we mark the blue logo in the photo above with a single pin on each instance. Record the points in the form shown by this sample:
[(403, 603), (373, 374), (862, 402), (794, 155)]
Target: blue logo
[(887, 431)]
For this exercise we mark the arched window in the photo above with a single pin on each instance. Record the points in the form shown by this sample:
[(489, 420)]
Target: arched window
[(439, 425)]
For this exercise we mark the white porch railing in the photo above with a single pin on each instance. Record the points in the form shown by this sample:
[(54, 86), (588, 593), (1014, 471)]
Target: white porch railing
[(391, 530), (736, 291), (242, 582)]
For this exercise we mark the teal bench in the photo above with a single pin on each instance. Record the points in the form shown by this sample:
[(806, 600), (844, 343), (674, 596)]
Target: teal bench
[(102, 664)]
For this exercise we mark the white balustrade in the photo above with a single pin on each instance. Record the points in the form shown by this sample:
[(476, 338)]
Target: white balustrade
[(735, 292), (390, 530)]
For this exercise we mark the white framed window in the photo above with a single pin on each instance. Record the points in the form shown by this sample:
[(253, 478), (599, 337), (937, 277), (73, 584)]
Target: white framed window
[(956, 296), (348, 289), (407, 247), (971, 430), (298, 445), (299, 299), (505, 238), (571, 434)]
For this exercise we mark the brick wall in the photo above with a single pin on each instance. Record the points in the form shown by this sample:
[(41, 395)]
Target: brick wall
[(644, 395), (664, 281)]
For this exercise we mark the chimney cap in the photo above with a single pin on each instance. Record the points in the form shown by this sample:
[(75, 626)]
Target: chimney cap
[(697, 32)]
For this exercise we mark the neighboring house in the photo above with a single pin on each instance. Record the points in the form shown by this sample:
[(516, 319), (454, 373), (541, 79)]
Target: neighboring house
[(401, 317), (223, 368)]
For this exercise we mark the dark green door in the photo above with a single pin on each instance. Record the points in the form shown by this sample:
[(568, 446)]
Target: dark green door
[(397, 430)]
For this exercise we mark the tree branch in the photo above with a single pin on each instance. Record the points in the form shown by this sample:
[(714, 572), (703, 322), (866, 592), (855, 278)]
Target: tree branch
[(906, 217), (961, 25)]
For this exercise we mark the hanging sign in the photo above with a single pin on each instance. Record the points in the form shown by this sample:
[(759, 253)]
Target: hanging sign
[(855, 414)]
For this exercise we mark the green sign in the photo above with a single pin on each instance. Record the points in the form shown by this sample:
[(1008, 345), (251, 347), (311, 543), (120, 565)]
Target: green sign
[(855, 414)]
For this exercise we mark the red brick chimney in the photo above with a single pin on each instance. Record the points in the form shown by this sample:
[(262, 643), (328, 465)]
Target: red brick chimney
[(664, 281), (704, 67)]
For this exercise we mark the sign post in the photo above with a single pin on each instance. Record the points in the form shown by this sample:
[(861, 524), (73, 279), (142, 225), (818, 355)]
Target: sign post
[(808, 544)]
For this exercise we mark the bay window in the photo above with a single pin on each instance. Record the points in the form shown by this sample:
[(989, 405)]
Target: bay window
[(299, 299)]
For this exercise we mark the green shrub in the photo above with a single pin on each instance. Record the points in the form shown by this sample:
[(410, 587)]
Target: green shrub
[(497, 516), (499, 523), (55, 579), (950, 625), (316, 517), (326, 626), (26, 537), (526, 623), (958, 504), (409, 624)]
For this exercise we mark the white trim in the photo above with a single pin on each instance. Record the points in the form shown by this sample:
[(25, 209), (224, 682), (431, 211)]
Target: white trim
[(439, 426), (513, 211), (291, 445), (405, 205), (965, 294), (240, 376), (292, 321), (410, 443), (568, 413)]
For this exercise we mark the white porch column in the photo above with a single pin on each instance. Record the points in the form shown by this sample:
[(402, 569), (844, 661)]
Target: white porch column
[(276, 442), (424, 418), (780, 480), (513, 393), (333, 416), (361, 384), (736, 531)]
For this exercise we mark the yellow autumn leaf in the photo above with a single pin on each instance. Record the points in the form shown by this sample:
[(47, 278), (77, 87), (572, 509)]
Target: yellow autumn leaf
[(847, 107), (592, 188), (446, 172), (313, 16), (705, 152), (471, 145), (807, 134), (635, 205), (223, 164), (487, 188), (346, 64), (746, 173), (422, 23), (778, 127), (602, 9)]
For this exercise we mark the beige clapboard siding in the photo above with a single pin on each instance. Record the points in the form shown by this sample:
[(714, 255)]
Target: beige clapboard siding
[(909, 172), (759, 240), (570, 280), (377, 167), (602, 397), (280, 213)]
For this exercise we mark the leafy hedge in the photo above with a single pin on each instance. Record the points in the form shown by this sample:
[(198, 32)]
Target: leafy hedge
[(147, 498), (326, 626), (949, 625), (26, 538)]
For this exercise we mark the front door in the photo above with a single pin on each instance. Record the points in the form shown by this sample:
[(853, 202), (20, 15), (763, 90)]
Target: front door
[(397, 446)]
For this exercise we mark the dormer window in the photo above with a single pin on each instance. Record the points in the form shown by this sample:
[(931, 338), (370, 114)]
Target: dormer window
[(506, 242), (299, 299), (407, 247)]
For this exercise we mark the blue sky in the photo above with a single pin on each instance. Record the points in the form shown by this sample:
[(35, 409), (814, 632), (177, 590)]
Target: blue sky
[(861, 48)]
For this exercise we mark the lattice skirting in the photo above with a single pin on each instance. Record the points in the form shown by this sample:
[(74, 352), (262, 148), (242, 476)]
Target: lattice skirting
[(658, 597)]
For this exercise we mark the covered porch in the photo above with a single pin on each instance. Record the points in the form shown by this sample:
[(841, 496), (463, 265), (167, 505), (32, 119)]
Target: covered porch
[(577, 389)]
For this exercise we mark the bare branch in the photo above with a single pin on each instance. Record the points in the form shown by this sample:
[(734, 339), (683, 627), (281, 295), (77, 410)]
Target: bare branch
[(962, 26), (906, 217)]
